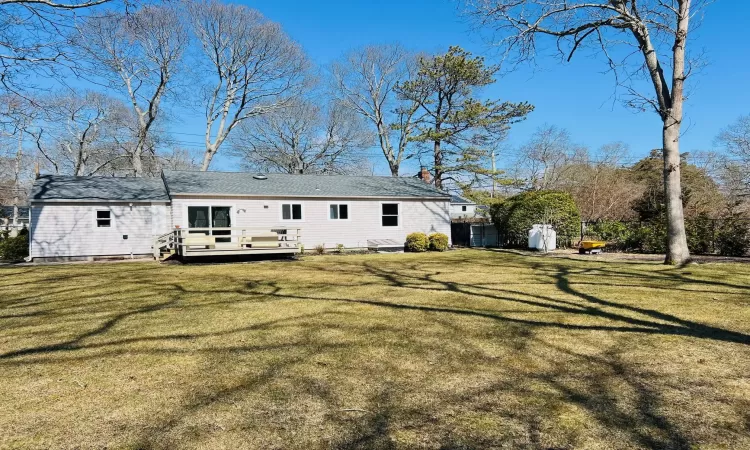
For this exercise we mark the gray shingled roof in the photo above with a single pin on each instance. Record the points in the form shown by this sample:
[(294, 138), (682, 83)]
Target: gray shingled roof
[(60, 187), (284, 185), (457, 199)]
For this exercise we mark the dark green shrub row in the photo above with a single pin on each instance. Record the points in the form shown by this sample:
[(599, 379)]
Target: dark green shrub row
[(726, 237), (515, 216), (14, 248), (420, 242)]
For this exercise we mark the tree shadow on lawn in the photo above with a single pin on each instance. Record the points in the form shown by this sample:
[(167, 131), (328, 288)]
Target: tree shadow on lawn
[(631, 318), (614, 394)]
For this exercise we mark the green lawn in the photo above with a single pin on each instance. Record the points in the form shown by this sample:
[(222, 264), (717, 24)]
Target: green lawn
[(464, 349)]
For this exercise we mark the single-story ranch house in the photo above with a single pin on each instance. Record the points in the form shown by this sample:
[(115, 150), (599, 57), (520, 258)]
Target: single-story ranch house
[(217, 213)]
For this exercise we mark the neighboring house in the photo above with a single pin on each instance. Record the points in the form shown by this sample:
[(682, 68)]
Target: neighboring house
[(84, 217), (462, 208), (9, 223), (471, 224)]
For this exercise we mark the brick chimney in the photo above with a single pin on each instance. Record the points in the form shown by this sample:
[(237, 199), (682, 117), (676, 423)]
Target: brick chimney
[(424, 175)]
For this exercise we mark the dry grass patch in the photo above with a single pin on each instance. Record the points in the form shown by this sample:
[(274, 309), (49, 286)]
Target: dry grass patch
[(464, 349)]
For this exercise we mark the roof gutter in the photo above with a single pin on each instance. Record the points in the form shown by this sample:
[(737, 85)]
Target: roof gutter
[(78, 200), (364, 197)]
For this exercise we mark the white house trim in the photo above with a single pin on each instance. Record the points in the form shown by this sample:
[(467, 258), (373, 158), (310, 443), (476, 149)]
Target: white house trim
[(292, 202), (400, 215), (338, 203)]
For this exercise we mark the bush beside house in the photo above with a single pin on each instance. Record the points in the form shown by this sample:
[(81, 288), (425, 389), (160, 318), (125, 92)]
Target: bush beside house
[(14, 248), (438, 242), (416, 242)]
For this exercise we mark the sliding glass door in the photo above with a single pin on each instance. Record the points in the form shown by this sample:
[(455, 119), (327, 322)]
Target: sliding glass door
[(211, 217), (221, 218)]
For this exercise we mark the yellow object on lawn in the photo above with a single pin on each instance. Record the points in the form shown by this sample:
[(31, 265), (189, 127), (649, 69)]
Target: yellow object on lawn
[(589, 245)]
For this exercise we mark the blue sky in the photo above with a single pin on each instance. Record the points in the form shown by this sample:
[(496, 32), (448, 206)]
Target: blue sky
[(576, 96)]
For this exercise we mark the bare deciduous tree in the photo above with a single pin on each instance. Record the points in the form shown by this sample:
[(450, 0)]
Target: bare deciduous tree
[(602, 186), (304, 138), (365, 81), (32, 37), (656, 32), (138, 56), (544, 160), (735, 140), (252, 67), (80, 134), (18, 116), (179, 159)]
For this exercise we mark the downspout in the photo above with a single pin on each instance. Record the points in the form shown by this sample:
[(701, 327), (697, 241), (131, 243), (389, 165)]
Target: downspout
[(31, 232)]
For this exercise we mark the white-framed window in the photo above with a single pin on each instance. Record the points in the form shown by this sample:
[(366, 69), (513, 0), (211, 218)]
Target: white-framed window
[(463, 208), (214, 220), (389, 214), (291, 211), (338, 211), (103, 218)]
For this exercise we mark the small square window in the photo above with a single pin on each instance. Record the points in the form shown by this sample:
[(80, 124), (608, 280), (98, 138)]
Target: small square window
[(389, 215), (291, 211), (463, 208), (339, 212), (104, 219)]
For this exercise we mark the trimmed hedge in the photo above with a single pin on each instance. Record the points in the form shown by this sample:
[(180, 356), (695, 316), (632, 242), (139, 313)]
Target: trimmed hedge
[(438, 242), (416, 242), (515, 216)]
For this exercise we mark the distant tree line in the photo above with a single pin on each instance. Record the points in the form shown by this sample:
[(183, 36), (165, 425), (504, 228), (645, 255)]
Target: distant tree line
[(611, 185)]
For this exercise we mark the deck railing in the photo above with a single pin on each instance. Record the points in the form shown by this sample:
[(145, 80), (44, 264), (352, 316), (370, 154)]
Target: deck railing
[(231, 240)]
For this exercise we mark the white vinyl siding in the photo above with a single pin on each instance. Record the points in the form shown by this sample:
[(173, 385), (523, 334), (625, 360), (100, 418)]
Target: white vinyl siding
[(365, 218), (463, 210), (70, 229)]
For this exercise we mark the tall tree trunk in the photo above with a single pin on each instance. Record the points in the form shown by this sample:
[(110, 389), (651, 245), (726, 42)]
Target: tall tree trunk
[(677, 248), (137, 157), (207, 157), (137, 161), (17, 177), (438, 156)]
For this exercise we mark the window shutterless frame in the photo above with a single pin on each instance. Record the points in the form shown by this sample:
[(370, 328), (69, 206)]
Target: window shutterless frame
[(103, 218), (339, 211), (292, 212), (205, 216), (390, 215)]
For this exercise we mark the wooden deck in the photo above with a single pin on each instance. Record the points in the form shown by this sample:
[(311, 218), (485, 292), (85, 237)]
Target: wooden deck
[(216, 242)]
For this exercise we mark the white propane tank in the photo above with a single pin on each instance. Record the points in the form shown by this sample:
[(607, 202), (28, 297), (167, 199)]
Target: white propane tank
[(535, 236), (547, 238), (542, 237)]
